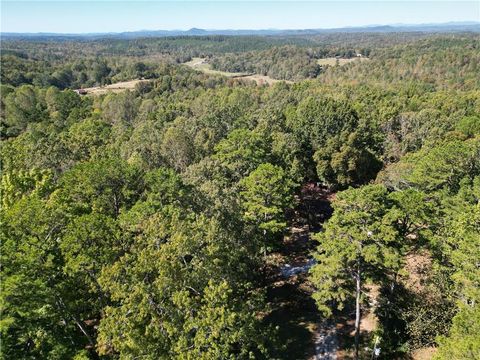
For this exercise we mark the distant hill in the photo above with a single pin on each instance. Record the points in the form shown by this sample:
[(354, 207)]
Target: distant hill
[(443, 27)]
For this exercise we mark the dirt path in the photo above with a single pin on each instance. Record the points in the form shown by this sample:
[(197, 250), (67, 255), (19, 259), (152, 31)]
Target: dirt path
[(301, 328), (326, 342)]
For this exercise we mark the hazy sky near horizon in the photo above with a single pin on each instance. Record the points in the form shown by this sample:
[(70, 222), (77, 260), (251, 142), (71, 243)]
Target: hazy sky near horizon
[(69, 16)]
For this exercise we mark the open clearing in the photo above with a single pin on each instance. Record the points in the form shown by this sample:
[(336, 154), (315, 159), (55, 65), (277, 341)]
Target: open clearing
[(263, 79), (333, 61), (424, 353), (117, 87), (201, 64)]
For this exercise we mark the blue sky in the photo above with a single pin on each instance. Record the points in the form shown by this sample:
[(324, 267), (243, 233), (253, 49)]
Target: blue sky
[(115, 16)]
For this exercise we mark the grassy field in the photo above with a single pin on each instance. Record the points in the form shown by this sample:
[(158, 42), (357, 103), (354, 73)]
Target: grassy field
[(196, 63), (117, 87), (341, 62), (200, 64), (262, 79)]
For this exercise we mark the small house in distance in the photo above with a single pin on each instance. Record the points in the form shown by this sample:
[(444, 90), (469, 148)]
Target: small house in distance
[(81, 91)]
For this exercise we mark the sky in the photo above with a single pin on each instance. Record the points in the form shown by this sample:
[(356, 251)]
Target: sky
[(70, 16)]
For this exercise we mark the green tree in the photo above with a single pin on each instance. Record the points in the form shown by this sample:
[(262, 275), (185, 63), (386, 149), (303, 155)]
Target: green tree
[(177, 147), (266, 194), (101, 71), (441, 166), (358, 245), (89, 243), (413, 308), (241, 152), (463, 341), (347, 160), (43, 311), (178, 292), (107, 185), (470, 125), (22, 107), (463, 251), (87, 138), (18, 183), (317, 119)]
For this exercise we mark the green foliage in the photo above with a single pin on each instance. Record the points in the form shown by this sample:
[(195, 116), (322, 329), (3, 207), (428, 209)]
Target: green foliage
[(359, 241), (463, 341), (445, 221), (343, 162), (105, 185), (462, 250), (266, 193), (317, 120), (287, 63), (177, 147), (89, 243), (470, 125), (23, 106), (16, 184), (464, 245), (87, 138), (134, 223), (415, 62), (41, 308), (166, 290), (241, 152), (442, 166)]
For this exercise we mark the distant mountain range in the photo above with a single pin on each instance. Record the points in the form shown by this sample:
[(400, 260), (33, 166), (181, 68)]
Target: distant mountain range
[(443, 27)]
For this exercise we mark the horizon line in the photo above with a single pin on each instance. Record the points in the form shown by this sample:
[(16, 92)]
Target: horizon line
[(366, 26)]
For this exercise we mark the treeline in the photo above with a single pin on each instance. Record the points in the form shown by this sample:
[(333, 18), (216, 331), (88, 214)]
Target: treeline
[(137, 224), (72, 63), (286, 63), (80, 73), (436, 63), (80, 63), (76, 62)]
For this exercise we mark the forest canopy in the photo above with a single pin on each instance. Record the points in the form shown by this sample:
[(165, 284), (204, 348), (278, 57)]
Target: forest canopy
[(138, 224)]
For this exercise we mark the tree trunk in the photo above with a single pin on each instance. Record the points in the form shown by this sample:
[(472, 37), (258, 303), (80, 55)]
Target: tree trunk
[(357, 310), (265, 237), (83, 330), (76, 320)]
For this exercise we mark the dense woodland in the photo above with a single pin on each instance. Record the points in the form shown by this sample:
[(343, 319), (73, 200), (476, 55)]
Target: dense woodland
[(136, 224)]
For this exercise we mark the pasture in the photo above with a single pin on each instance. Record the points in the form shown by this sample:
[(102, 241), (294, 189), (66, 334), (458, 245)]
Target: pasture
[(202, 65), (116, 87), (339, 62)]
